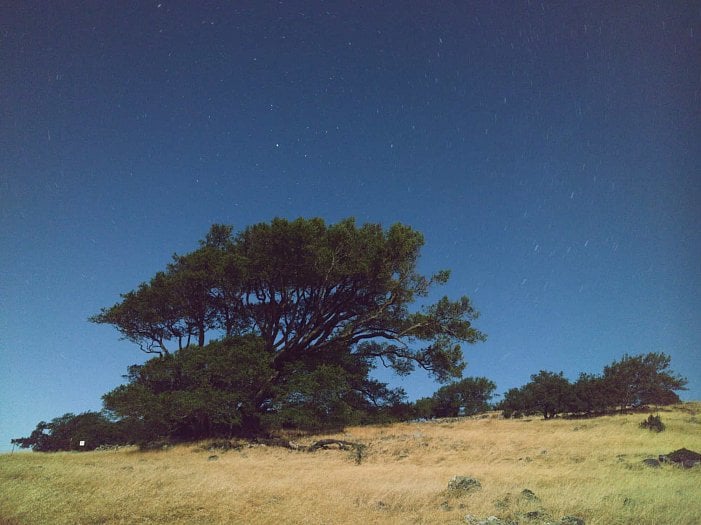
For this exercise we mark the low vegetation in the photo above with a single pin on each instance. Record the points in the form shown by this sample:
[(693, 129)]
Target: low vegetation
[(547, 469)]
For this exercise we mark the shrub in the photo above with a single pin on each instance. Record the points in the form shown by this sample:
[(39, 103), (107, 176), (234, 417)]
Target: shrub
[(653, 424)]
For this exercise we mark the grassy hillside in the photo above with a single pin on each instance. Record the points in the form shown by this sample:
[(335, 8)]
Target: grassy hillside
[(588, 468)]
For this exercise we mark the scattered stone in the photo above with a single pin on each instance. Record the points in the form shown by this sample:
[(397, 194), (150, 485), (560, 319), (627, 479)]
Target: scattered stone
[(652, 462), (572, 520), (529, 495), (503, 503), (221, 445), (463, 484), (213, 458), (684, 457), (535, 515), (446, 506)]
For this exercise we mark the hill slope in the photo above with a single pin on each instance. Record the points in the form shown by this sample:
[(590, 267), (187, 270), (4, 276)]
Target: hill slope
[(587, 468)]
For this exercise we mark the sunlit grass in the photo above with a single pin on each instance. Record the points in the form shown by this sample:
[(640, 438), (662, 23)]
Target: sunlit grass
[(590, 468)]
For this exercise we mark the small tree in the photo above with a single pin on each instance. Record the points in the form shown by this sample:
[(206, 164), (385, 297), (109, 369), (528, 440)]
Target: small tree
[(589, 395), (547, 392), (468, 396), (423, 408), (513, 403)]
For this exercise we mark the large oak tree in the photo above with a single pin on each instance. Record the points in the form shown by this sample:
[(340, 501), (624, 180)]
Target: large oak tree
[(320, 297)]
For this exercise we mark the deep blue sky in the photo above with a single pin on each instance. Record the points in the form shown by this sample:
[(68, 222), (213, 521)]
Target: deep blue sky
[(549, 152)]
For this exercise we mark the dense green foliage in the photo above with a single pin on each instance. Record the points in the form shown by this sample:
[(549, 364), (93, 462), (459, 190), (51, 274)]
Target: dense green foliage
[(194, 392), (302, 286), (631, 382)]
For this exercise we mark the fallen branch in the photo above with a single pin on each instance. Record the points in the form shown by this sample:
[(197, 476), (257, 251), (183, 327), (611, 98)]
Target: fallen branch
[(334, 443)]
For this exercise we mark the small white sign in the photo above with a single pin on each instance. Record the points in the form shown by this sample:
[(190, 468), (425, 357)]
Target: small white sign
[(82, 443)]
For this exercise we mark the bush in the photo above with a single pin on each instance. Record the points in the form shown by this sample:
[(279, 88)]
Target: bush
[(653, 424)]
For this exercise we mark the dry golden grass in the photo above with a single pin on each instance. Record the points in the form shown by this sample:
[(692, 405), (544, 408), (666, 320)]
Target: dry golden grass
[(588, 468)]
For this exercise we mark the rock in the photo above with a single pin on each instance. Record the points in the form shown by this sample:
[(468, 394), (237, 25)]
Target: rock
[(572, 520), (684, 457), (463, 484), (652, 462), (529, 495)]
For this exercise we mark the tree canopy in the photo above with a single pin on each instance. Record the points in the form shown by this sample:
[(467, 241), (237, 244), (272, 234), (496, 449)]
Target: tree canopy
[(327, 303)]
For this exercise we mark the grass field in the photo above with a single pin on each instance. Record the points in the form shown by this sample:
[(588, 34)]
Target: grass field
[(590, 468)]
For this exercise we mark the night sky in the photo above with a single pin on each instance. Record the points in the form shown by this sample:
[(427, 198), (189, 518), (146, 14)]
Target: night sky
[(549, 152)]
